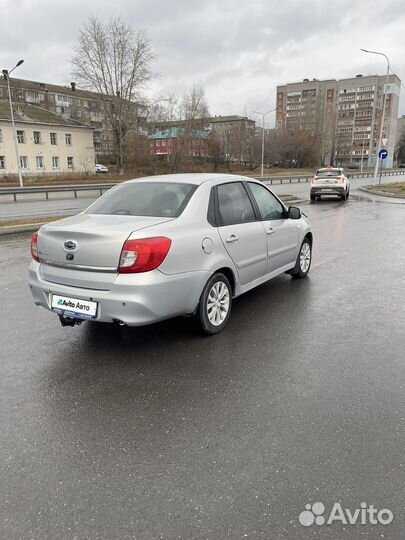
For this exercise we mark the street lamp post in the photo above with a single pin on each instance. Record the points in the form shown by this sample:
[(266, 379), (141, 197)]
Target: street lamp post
[(379, 145), (263, 115), (6, 75)]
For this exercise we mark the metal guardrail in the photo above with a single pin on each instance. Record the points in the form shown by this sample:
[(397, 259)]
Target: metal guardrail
[(303, 179), (55, 189), (17, 191)]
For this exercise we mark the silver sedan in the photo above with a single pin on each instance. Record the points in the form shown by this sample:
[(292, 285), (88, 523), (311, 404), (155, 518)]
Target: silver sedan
[(164, 246)]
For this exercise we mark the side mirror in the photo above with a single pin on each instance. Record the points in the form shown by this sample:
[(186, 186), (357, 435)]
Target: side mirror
[(294, 212)]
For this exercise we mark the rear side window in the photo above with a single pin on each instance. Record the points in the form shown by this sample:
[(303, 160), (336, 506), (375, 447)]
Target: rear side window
[(234, 204), (154, 199), (269, 206)]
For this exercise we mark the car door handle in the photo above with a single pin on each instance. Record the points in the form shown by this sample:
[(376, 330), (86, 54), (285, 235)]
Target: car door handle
[(232, 238), (271, 230)]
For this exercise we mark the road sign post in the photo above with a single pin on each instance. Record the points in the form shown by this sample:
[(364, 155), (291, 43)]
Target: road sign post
[(382, 154)]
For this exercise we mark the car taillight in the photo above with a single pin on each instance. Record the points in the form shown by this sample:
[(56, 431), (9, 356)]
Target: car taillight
[(34, 246), (144, 254), (342, 180), (313, 180)]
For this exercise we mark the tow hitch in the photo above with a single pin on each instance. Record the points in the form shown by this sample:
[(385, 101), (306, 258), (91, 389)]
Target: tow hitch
[(69, 321)]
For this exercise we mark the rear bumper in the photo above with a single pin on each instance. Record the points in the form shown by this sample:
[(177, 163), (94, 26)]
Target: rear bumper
[(329, 190), (134, 299)]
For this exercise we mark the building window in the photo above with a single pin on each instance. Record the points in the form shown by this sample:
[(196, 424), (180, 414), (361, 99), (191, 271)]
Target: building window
[(55, 162), (40, 162), (20, 136), (23, 162), (37, 137), (70, 162), (54, 139), (2, 162), (68, 139)]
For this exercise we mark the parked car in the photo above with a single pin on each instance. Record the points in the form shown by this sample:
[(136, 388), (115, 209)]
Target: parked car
[(330, 181), (101, 168), (170, 245)]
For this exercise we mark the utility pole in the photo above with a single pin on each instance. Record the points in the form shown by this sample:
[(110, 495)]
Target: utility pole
[(6, 75), (379, 144), (263, 115)]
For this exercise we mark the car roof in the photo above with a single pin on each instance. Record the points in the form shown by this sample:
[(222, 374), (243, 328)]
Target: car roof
[(192, 178)]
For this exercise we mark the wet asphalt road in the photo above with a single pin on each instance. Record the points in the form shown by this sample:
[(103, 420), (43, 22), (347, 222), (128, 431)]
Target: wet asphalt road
[(61, 204), (159, 433)]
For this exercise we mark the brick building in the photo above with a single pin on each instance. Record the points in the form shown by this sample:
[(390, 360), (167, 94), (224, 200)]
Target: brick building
[(170, 141), (235, 134)]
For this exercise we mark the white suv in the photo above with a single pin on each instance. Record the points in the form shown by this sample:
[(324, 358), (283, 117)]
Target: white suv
[(330, 181)]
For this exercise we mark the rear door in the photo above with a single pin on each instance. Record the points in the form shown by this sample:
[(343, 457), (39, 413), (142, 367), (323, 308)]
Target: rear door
[(242, 235), (282, 233)]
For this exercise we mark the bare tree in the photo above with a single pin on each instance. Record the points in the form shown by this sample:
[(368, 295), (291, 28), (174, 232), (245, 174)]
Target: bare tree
[(114, 60), (87, 163), (163, 109), (193, 111), (194, 107), (400, 149)]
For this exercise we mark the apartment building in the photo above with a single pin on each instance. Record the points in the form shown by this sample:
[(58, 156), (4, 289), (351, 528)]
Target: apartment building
[(346, 114), (47, 143), (72, 102)]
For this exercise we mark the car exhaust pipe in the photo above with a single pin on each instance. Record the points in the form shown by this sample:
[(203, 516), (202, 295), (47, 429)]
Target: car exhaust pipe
[(120, 323)]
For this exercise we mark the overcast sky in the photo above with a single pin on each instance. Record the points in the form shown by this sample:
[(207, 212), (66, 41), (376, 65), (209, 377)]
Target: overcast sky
[(239, 50)]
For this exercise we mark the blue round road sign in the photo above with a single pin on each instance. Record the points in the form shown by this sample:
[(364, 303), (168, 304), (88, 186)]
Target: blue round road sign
[(383, 153)]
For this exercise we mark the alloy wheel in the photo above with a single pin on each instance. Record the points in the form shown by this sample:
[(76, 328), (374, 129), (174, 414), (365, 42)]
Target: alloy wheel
[(218, 303), (305, 257)]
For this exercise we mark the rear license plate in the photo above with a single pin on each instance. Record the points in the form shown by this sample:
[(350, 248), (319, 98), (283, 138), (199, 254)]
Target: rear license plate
[(74, 307), (327, 190)]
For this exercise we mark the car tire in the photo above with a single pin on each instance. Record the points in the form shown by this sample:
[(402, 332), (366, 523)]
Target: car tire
[(304, 259), (215, 305), (348, 193), (312, 197)]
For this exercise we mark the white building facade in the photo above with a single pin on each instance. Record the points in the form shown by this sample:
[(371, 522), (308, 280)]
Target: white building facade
[(47, 144)]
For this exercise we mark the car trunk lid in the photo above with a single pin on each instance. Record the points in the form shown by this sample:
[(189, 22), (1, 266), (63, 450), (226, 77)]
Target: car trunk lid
[(84, 250)]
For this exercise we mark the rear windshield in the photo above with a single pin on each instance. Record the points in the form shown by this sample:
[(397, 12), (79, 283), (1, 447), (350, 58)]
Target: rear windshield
[(155, 199), (328, 172)]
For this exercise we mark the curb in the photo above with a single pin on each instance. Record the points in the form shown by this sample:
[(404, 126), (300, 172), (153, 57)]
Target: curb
[(380, 193)]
